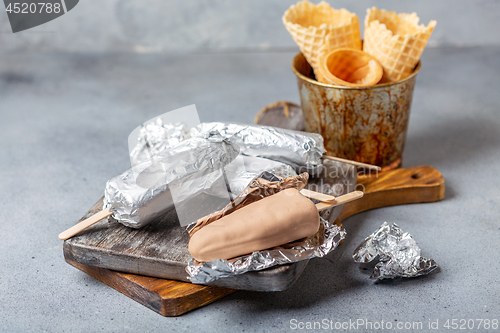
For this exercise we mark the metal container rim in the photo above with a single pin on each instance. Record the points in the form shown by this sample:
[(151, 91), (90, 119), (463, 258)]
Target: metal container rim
[(307, 79)]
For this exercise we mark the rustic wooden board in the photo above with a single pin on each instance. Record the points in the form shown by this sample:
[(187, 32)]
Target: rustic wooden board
[(166, 297), (172, 298)]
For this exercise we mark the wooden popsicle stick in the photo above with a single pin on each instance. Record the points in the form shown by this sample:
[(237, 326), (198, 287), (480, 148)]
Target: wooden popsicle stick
[(316, 195), (339, 200), (364, 165), (85, 224), (328, 201)]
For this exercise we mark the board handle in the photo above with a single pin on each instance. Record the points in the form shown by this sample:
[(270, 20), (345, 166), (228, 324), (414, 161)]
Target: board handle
[(85, 224), (397, 187)]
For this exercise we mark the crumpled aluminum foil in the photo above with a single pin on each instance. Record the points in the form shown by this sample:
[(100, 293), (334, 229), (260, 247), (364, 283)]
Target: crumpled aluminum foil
[(301, 150), (207, 272), (141, 193), (156, 137), (398, 253)]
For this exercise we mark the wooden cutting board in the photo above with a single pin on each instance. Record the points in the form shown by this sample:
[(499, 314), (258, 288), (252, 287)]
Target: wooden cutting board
[(173, 298)]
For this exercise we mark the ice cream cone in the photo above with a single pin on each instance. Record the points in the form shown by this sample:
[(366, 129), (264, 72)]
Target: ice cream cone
[(320, 28), (396, 40), (350, 67)]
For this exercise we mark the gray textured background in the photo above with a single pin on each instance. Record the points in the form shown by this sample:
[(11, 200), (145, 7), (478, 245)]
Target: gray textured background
[(223, 25), (72, 90)]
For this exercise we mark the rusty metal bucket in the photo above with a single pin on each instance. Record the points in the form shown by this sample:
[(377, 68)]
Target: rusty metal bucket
[(367, 124)]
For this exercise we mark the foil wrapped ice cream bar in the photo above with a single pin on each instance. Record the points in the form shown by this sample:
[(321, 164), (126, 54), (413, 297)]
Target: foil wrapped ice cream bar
[(167, 153), (301, 150), (398, 253), (141, 193)]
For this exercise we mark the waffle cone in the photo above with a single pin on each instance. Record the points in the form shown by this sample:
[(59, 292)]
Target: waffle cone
[(396, 41), (320, 28), (350, 67)]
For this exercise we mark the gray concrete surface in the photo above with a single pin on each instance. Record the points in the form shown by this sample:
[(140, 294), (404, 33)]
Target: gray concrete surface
[(64, 122), (152, 26)]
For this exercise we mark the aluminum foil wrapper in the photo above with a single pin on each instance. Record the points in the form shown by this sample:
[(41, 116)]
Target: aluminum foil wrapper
[(155, 137), (135, 203), (398, 253), (313, 247), (241, 174), (141, 193), (301, 150)]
